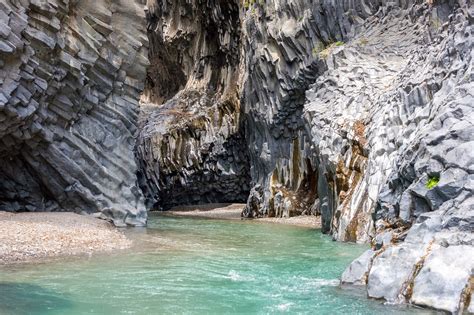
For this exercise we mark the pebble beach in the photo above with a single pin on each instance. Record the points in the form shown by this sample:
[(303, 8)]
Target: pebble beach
[(33, 236)]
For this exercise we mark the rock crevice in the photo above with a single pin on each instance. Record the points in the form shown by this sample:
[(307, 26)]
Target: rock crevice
[(191, 147)]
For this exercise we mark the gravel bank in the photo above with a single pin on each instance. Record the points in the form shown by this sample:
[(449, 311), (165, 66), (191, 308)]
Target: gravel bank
[(33, 236)]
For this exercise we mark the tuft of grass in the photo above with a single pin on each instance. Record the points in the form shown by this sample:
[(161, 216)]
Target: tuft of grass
[(318, 49), (248, 4), (436, 23), (432, 182), (363, 41), (326, 51)]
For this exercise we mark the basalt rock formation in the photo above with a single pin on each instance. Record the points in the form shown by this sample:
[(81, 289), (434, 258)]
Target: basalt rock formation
[(358, 111), (71, 73), (373, 102), (191, 146)]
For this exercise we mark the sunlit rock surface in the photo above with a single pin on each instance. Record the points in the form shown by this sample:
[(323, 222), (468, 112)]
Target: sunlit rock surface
[(71, 73), (358, 111), (373, 102)]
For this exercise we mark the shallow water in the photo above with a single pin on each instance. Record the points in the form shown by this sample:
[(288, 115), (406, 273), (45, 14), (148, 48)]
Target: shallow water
[(197, 266)]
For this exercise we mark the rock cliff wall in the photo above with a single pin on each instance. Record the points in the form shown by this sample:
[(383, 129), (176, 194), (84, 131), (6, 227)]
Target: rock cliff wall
[(372, 102), (192, 147), (358, 111), (337, 93), (71, 73)]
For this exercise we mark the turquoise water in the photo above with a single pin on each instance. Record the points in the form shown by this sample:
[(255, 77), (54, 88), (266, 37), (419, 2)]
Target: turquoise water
[(197, 266)]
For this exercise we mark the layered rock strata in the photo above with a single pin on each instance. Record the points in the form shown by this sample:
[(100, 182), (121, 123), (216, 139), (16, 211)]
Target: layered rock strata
[(71, 73)]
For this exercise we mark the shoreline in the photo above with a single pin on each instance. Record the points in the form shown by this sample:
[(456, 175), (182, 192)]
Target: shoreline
[(233, 211), (32, 237), (39, 236)]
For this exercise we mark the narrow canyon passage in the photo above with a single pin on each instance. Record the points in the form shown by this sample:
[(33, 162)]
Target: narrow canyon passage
[(353, 115), (192, 147), (197, 266)]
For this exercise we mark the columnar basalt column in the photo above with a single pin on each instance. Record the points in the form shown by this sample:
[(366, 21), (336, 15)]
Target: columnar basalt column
[(71, 73)]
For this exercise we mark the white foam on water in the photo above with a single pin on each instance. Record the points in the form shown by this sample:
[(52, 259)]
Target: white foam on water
[(325, 282), (318, 282), (235, 276), (284, 306)]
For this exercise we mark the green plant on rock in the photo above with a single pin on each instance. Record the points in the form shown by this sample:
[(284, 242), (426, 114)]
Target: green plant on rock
[(250, 3), (432, 182), (436, 23), (318, 49)]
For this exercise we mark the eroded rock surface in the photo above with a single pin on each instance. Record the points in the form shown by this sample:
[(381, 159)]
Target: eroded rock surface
[(358, 111), (192, 147), (71, 73), (418, 179)]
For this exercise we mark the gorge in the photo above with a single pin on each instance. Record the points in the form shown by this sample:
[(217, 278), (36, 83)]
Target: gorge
[(357, 111)]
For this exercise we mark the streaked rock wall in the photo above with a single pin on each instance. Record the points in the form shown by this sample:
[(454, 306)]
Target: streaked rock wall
[(358, 111), (192, 148), (71, 73)]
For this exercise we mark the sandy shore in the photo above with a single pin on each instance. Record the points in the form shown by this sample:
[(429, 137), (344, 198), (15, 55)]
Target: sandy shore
[(32, 236), (211, 211), (233, 211), (302, 220)]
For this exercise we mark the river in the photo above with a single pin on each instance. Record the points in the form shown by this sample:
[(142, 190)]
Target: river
[(197, 266)]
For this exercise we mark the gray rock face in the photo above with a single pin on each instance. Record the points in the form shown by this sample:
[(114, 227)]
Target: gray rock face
[(362, 102), (358, 111), (358, 271), (433, 266), (390, 270), (71, 73), (191, 146), (444, 278)]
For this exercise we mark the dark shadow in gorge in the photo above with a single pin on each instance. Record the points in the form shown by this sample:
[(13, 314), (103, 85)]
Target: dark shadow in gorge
[(192, 148)]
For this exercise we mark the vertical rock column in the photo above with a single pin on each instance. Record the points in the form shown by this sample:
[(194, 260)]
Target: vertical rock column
[(191, 146), (71, 73), (283, 41)]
